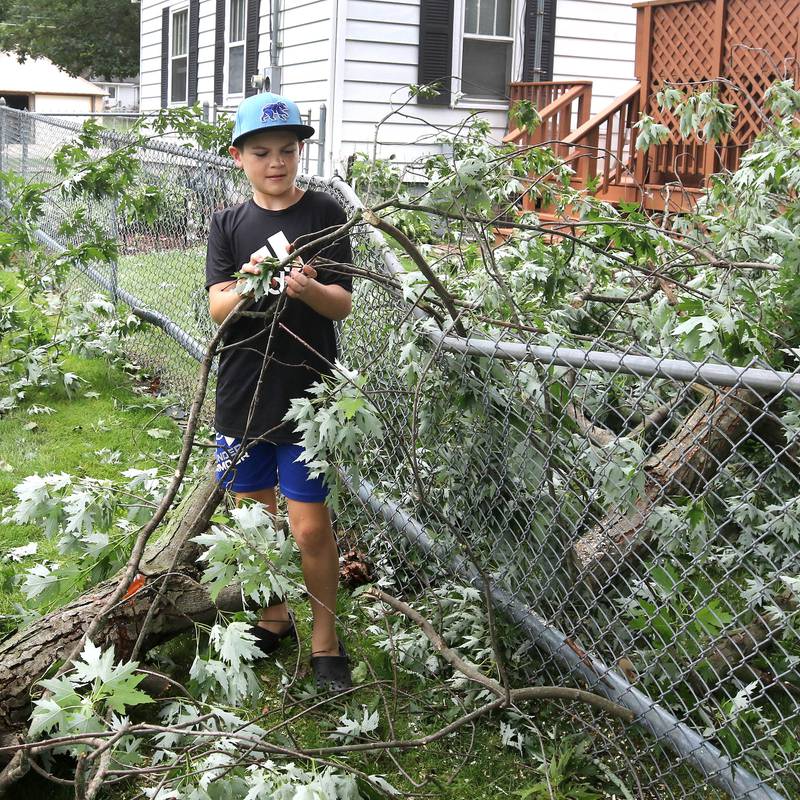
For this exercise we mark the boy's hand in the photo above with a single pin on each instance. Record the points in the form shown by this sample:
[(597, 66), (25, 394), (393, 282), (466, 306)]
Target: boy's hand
[(253, 267), (256, 258), (300, 279)]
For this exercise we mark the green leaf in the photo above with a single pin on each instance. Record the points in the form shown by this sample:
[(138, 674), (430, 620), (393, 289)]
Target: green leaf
[(124, 693), (46, 715), (158, 433)]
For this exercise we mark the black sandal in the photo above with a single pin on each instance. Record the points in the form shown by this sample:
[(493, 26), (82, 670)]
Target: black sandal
[(268, 641), (332, 673)]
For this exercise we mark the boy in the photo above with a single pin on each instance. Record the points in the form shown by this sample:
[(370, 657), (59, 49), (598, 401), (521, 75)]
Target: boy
[(267, 142)]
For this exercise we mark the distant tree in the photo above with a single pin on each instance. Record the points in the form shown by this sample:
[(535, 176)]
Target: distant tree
[(86, 37)]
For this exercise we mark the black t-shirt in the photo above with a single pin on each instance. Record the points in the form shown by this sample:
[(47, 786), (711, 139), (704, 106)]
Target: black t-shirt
[(235, 233)]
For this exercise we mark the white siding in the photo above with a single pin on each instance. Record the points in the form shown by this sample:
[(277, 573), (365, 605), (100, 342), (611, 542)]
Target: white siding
[(305, 30), (150, 54), (596, 40), (305, 34), (381, 52), (376, 58), (66, 103)]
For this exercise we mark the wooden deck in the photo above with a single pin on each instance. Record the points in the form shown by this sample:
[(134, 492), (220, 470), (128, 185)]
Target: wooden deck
[(742, 45)]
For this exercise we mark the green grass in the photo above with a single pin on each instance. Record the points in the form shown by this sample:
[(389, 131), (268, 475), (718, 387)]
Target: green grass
[(472, 764), (68, 440), (171, 281)]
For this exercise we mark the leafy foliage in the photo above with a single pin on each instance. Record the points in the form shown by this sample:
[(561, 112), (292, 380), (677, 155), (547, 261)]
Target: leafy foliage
[(106, 685), (98, 37)]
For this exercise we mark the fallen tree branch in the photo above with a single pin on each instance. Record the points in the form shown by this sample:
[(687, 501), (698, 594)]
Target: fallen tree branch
[(732, 651), (27, 655), (447, 300), (682, 466), (474, 674)]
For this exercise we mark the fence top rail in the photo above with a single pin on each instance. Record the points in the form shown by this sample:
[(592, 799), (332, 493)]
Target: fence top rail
[(122, 138), (752, 377), (90, 113)]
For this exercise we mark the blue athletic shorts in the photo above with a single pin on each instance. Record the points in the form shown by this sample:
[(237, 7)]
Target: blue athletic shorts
[(263, 465)]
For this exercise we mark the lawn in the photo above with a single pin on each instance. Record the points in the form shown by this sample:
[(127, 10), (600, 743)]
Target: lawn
[(98, 430)]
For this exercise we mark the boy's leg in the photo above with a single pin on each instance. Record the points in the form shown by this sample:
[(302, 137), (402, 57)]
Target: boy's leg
[(274, 618), (311, 527)]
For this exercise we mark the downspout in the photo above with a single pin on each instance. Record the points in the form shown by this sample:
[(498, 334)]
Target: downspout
[(274, 71), (333, 80)]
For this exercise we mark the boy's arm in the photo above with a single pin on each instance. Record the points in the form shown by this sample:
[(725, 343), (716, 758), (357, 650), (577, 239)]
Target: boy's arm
[(222, 299)]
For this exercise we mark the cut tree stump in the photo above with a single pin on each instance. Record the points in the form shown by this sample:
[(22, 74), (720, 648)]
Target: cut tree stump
[(681, 467), (27, 655)]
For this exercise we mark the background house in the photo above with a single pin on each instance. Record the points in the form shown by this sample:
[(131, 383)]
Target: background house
[(39, 85), (356, 57), (122, 96)]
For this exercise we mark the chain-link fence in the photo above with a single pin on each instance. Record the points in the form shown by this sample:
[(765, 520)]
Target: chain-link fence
[(637, 516)]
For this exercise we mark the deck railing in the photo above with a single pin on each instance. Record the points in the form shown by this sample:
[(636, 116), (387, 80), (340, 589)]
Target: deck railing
[(740, 45), (567, 106), (541, 93)]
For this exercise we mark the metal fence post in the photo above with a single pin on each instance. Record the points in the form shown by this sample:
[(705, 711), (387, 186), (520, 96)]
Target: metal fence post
[(323, 119), (2, 131), (24, 124), (114, 265), (308, 149)]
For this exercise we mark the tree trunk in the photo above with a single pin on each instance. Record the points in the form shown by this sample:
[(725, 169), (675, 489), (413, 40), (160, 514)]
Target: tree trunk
[(28, 654), (682, 467)]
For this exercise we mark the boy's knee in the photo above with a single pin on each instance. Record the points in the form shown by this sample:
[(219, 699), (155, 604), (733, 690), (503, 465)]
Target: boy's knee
[(311, 537)]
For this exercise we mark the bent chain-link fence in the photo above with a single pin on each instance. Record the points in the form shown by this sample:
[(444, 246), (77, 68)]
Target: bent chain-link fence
[(631, 519)]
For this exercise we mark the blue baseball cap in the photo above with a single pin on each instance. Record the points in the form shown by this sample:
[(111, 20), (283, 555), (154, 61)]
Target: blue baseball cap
[(268, 112)]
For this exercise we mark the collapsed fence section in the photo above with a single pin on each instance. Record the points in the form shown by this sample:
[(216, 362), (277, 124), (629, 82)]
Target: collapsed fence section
[(634, 516)]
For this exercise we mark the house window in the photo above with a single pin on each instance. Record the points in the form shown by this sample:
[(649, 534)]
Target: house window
[(179, 52), (112, 92), (487, 48), (236, 33)]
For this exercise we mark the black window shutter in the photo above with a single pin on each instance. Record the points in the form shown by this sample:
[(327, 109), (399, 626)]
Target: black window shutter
[(164, 57), (548, 23), (194, 25), (251, 45), (548, 39), (219, 51), (436, 48)]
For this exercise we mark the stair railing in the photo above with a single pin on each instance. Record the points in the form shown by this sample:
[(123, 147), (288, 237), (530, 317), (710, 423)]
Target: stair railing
[(608, 140)]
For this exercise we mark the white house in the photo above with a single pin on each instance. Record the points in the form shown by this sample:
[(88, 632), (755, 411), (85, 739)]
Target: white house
[(39, 85), (356, 57), (122, 96)]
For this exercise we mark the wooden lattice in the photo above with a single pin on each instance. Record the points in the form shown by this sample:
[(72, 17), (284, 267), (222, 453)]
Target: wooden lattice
[(760, 46), (749, 42), (679, 43)]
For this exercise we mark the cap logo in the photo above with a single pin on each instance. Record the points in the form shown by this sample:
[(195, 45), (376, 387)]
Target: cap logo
[(275, 111)]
